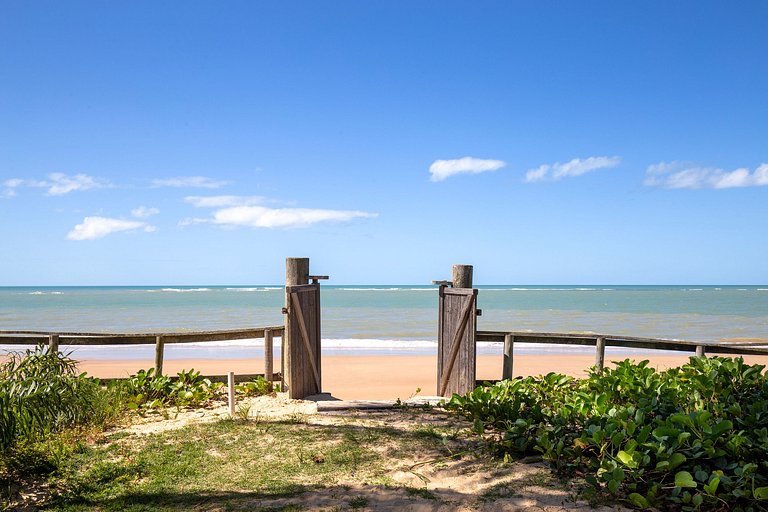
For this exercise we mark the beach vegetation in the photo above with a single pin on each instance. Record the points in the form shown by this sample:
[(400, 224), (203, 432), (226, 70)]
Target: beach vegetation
[(690, 438), (148, 390), (258, 386), (48, 411), (42, 394)]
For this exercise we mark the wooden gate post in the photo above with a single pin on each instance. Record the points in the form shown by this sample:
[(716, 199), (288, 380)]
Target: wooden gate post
[(461, 276), (301, 338), (456, 333)]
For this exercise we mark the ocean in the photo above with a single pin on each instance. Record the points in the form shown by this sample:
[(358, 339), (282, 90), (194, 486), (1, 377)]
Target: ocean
[(383, 319)]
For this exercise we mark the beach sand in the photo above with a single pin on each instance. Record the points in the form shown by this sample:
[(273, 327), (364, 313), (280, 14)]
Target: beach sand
[(381, 377)]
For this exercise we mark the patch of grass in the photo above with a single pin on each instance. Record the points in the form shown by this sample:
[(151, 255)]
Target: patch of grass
[(224, 457), (236, 464)]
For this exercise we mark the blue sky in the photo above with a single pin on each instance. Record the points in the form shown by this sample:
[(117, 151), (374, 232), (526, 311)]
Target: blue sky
[(542, 142)]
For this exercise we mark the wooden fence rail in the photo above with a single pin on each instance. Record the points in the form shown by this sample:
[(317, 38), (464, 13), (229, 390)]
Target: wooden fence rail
[(159, 340), (600, 341)]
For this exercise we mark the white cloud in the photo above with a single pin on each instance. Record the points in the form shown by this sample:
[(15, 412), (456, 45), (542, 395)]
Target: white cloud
[(58, 184), (143, 212), (688, 176), (10, 186), (189, 182), (263, 217), (99, 227), (576, 167), (442, 169), (223, 201), (246, 211)]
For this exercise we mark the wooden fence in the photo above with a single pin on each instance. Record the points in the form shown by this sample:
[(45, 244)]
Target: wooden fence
[(159, 340), (600, 341), (508, 338)]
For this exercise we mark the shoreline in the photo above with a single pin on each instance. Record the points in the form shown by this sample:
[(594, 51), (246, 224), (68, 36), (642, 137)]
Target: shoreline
[(388, 377)]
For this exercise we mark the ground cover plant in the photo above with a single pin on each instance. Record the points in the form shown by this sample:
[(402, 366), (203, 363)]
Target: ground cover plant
[(694, 437), (150, 391), (258, 386)]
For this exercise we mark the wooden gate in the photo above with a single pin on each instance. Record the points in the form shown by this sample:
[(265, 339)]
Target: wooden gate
[(457, 325), (302, 331)]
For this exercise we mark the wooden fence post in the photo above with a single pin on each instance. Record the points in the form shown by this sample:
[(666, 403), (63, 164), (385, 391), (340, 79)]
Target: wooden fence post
[(600, 353), (53, 343), (701, 351), (158, 355), (507, 367), (231, 391), (268, 365)]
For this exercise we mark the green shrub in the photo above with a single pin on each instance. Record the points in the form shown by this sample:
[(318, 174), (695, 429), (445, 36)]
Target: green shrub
[(691, 437), (40, 393)]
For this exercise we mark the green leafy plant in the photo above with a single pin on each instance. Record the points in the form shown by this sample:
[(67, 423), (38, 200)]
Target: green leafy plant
[(41, 392), (148, 391), (691, 438), (256, 387)]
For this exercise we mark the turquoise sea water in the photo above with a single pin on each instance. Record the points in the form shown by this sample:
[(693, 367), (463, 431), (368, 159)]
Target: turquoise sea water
[(398, 317)]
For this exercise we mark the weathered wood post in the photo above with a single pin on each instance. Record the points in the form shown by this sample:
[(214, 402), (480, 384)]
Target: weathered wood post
[(301, 339), (507, 367), (296, 273), (231, 393), (268, 355), (701, 351), (456, 333), (600, 353), (461, 276), (159, 355), (53, 343)]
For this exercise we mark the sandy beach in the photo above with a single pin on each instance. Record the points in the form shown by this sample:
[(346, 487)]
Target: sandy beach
[(350, 377)]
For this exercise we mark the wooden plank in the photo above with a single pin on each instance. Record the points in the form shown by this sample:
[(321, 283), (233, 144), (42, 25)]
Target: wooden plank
[(623, 341), (455, 323), (299, 313), (182, 337), (224, 379)]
